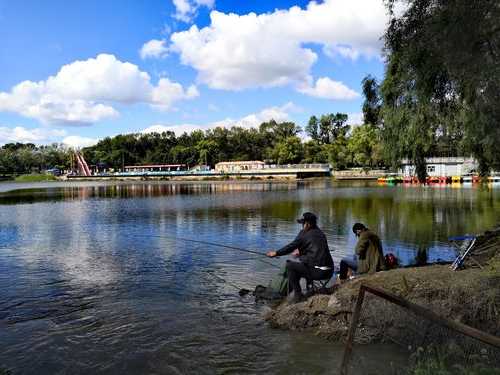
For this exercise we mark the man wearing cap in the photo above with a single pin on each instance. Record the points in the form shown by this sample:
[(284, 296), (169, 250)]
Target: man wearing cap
[(369, 256), (311, 247)]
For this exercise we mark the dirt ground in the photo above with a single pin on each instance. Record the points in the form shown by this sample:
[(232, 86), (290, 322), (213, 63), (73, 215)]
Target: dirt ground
[(470, 296)]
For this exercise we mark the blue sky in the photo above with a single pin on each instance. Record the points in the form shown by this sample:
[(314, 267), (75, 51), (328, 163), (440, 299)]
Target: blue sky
[(75, 72)]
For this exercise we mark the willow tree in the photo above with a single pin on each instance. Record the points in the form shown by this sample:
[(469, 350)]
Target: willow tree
[(442, 77)]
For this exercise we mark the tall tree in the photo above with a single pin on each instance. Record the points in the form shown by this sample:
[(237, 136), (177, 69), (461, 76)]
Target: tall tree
[(372, 102), (312, 128), (443, 72), (332, 127)]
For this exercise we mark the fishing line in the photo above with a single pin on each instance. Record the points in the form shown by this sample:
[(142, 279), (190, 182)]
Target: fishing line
[(217, 245), (221, 245), (241, 291), (245, 259)]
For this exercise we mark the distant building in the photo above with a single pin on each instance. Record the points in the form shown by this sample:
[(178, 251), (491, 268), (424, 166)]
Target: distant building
[(53, 171), (441, 167), (238, 166), (155, 168), (200, 168)]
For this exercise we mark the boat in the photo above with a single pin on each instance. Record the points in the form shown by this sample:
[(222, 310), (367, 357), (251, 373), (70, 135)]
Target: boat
[(444, 179), (433, 180)]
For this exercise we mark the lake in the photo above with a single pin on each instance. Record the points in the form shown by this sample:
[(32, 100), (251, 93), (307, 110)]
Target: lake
[(99, 278)]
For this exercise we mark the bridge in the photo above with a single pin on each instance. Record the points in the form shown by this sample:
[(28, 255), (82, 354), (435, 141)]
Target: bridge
[(283, 171)]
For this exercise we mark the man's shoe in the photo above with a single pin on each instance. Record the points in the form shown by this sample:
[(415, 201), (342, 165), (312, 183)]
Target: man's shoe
[(295, 298)]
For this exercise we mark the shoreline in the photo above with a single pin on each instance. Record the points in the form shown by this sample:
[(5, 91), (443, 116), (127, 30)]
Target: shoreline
[(470, 296)]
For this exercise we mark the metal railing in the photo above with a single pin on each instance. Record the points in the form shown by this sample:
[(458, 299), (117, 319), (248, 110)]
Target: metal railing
[(417, 310)]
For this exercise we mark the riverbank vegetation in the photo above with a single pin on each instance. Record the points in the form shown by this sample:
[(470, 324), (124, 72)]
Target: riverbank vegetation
[(35, 177), (19, 158)]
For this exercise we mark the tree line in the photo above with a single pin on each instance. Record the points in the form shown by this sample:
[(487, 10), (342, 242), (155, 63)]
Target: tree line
[(331, 141), (22, 158)]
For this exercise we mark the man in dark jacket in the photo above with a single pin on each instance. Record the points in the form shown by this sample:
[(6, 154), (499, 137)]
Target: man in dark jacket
[(311, 247)]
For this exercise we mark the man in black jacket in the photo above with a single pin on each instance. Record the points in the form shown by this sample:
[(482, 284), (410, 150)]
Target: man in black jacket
[(311, 247)]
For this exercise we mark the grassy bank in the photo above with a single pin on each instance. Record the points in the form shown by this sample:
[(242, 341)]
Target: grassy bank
[(35, 177)]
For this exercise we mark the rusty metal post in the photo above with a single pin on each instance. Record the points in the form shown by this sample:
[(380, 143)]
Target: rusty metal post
[(352, 331)]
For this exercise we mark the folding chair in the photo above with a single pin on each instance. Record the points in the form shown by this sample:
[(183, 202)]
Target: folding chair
[(464, 245), (318, 286)]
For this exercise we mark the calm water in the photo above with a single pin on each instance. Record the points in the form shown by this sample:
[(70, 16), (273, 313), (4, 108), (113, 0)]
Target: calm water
[(95, 279)]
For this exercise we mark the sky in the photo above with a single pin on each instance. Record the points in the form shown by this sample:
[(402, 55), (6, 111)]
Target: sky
[(76, 72)]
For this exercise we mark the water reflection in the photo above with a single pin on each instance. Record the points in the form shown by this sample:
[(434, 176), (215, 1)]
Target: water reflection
[(133, 190), (90, 283)]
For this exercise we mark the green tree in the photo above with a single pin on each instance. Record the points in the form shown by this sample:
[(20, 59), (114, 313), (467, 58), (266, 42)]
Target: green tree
[(332, 127), (372, 102), (363, 145), (312, 128), (207, 151), (313, 153), (443, 77), (288, 151)]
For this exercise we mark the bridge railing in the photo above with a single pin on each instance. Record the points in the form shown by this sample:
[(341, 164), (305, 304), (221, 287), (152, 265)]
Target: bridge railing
[(297, 166)]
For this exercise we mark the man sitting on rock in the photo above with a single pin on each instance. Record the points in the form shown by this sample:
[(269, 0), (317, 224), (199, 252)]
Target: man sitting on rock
[(369, 256), (311, 247)]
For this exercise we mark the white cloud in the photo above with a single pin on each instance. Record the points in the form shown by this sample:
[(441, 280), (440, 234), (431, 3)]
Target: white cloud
[(355, 118), (154, 49), (168, 92), (328, 89), (82, 92), (344, 51), (76, 141), (185, 10), (253, 120), (236, 52), (25, 135)]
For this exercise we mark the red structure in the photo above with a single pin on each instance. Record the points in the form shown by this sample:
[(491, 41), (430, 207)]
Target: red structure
[(83, 168)]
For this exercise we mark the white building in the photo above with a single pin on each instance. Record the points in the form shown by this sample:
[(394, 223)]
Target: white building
[(441, 167), (239, 166), (155, 168)]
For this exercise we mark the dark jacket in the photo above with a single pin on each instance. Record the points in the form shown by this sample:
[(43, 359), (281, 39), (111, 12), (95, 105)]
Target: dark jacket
[(370, 253), (313, 248)]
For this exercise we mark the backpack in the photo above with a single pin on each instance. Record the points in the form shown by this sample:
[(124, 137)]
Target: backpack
[(390, 261)]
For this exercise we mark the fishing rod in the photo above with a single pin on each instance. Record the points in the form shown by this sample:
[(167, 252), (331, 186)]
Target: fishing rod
[(207, 243), (219, 245)]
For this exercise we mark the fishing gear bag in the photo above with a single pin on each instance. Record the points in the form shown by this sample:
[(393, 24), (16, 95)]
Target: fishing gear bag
[(276, 289)]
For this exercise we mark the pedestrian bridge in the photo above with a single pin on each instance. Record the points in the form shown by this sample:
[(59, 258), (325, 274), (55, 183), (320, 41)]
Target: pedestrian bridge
[(288, 170)]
